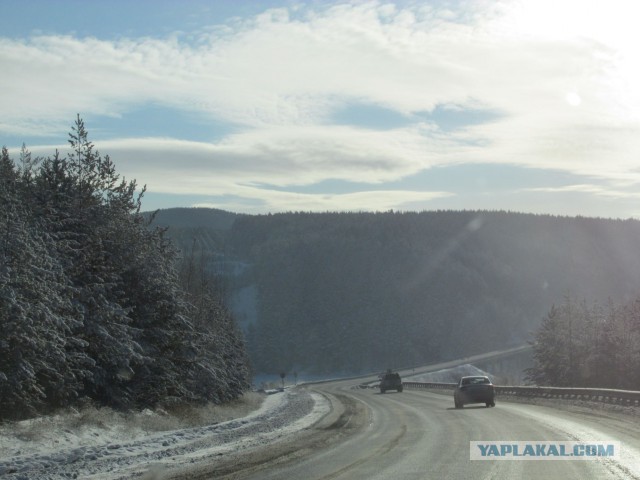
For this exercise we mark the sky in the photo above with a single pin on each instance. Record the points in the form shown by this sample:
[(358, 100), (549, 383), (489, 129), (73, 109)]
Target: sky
[(283, 105)]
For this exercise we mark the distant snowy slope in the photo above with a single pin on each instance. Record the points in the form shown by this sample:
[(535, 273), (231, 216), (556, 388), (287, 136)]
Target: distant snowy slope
[(448, 375)]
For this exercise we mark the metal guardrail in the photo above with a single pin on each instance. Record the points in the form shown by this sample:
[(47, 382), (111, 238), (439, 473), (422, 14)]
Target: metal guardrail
[(430, 385), (603, 395)]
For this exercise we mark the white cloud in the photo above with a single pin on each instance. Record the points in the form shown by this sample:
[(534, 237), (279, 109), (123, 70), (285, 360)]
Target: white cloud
[(280, 76), (277, 156), (277, 201), (598, 190)]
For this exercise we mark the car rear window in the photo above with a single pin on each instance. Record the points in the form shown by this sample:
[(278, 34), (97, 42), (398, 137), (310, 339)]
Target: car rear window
[(474, 380)]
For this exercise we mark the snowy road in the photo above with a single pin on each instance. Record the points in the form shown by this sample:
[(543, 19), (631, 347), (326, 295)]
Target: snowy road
[(420, 435), (337, 431)]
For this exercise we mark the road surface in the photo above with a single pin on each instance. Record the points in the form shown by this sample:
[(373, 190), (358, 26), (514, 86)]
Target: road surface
[(419, 435)]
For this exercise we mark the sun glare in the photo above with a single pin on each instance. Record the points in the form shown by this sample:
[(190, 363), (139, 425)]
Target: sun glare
[(573, 99), (609, 29), (612, 23)]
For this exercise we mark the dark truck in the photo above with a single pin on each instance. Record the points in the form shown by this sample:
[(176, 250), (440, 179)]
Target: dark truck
[(390, 381), (476, 389)]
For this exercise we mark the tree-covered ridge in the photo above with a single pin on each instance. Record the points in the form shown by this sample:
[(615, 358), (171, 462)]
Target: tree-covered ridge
[(91, 300), (352, 292)]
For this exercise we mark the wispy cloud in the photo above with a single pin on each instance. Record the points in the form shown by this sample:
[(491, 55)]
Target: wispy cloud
[(276, 201), (565, 95), (599, 190)]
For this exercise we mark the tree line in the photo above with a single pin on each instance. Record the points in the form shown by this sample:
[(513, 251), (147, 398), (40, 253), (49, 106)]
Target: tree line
[(96, 305), (588, 345)]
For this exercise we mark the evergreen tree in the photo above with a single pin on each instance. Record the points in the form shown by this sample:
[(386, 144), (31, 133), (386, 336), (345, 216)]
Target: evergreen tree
[(554, 349), (90, 296), (35, 314), (219, 359), (581, 346)]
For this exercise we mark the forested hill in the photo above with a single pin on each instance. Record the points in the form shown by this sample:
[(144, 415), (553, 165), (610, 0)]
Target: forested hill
[(195, 218), (202, 229), (351, 292)]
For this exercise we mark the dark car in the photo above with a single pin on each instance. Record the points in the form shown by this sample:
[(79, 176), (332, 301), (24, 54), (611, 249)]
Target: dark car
[(476, 389), (390, 381)]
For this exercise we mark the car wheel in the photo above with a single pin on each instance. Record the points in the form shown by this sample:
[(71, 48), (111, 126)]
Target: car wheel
[(382, 390), (493, 404), (458, 405), (488, 404), (400, 390)]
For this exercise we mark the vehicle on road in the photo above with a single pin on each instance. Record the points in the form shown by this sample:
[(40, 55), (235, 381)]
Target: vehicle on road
[(475, 389), (390, 381)]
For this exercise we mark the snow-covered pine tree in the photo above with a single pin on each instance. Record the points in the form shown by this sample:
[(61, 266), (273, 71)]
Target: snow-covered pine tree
[(220, 364), (36, 372), (90, 298), (69, 194)]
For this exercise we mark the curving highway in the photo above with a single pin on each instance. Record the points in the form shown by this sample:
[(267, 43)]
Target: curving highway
[(420, 435)]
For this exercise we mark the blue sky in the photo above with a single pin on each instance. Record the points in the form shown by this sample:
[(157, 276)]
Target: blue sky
[(270, 106)]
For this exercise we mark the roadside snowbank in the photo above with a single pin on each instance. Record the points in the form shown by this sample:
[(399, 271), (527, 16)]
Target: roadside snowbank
[(118, 453)]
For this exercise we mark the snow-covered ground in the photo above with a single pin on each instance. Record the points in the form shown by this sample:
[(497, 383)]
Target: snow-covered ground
[(119, 452), (448, 375)]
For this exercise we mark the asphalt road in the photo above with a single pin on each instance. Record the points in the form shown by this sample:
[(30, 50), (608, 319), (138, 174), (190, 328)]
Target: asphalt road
[(420, 435)]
